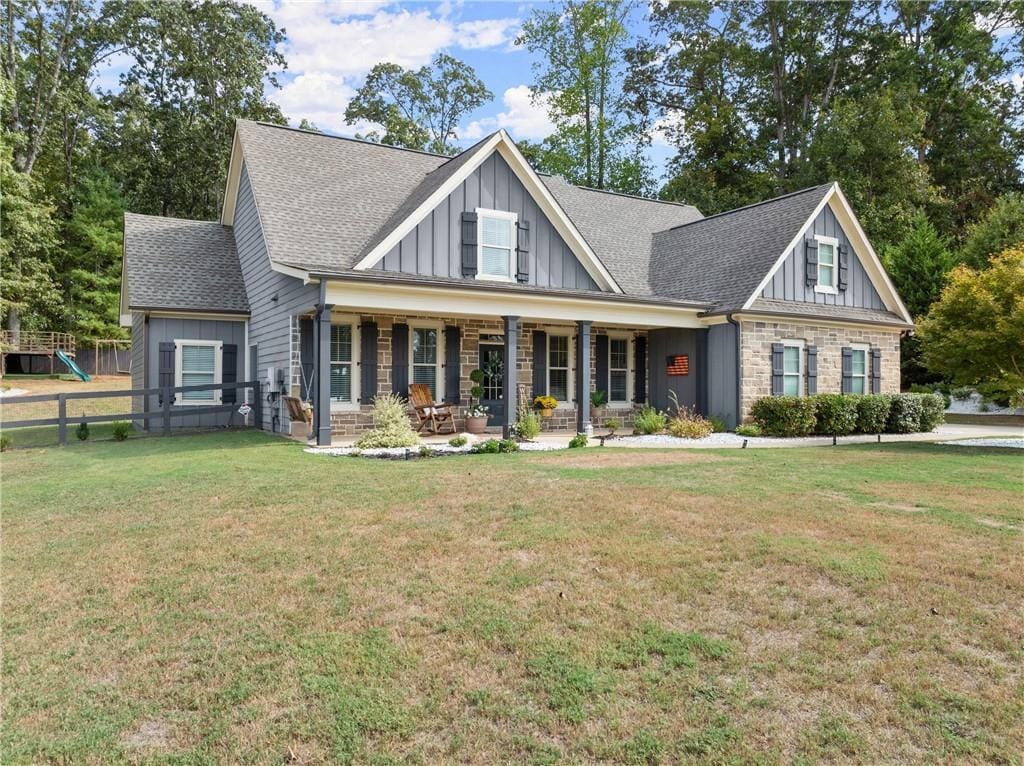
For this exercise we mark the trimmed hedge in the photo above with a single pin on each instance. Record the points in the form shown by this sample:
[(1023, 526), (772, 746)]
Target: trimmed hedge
[(835, 414), (872, 413), (842, 414), (785, 415)]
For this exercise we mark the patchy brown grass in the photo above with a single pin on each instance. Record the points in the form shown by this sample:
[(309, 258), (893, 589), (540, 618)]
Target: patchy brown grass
[(229, 598)]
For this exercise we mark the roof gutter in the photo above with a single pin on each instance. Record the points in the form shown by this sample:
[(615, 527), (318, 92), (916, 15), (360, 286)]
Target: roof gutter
[(362, 276), (818, 317)]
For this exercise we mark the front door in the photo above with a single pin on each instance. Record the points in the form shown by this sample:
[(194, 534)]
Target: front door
[(493, 365)]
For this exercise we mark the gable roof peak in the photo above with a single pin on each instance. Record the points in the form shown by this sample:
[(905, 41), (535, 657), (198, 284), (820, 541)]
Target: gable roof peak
[(823, 188)]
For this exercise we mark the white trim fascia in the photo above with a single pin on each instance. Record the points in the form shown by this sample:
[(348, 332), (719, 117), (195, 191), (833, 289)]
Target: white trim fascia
[(847, 324), (198, 315), (227, 210), (380, 297), (861, 246), (506, 147), (793, 243)]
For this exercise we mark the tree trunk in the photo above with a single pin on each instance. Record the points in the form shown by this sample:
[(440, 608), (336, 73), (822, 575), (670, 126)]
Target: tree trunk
[(14, 324)]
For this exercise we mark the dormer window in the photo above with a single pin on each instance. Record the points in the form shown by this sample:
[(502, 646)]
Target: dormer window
[(497, 237), (828, 264)]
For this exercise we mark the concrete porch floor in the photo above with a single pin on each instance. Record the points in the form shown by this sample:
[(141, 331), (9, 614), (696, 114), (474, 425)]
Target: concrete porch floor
[(946, 432)]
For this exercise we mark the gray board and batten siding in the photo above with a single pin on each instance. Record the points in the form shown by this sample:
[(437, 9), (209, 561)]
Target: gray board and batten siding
[(167, 330), (274, 298), (789, 282), (723, 369), (433, 248)]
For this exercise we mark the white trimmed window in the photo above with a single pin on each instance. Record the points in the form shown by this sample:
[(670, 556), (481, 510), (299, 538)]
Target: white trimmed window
[(793, 367), (619, 370), (196, 363), (497, 248), (559, 366), (344, 363), (828, 264), (425, 354), (859, 366)]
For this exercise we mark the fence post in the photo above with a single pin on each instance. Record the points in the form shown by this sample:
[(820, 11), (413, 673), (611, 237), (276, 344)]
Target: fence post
[(167, 411), (257, 405), (62, 415)]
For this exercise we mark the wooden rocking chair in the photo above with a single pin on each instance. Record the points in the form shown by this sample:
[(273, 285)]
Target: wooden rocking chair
[(429, 411)]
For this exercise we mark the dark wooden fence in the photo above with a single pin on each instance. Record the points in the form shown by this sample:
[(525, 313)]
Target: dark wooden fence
[(166, 413)]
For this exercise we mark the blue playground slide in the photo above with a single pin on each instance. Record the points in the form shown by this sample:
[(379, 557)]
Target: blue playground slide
[(75, 369)]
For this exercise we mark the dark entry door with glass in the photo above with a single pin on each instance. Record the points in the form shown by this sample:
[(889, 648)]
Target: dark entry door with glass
[(493, 365)]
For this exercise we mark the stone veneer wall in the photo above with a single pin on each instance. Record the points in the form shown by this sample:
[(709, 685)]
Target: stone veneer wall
[(349, 422), (756, 338)]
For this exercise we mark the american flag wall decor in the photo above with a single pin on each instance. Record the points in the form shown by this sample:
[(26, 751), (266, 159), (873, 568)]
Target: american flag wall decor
[(678, 364)]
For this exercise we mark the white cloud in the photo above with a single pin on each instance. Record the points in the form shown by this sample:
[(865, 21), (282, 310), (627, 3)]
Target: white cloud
[(486, 33), (320, 98), (522, 117)]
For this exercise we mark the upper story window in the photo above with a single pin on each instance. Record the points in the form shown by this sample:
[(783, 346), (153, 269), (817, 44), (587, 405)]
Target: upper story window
[(828, 264), (197, 363), (497, 245)]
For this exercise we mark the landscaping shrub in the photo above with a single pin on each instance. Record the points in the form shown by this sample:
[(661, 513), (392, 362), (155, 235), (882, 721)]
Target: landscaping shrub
[(933, 411), (426, 450), (391, 426), (489, 447), (748, 429), (527, 426), (458, 441), (918, 388), (120, 429), (508, 445), (648, 420), (872, 413), (687, 424), (784, 415), (835, 414), (579, 440), (6, 442), (963, 393), (718, 424), (82, 432), (613, 425), (904, 414)]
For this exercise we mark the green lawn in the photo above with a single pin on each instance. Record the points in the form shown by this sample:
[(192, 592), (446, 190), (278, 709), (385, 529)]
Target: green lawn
[(227, 598)]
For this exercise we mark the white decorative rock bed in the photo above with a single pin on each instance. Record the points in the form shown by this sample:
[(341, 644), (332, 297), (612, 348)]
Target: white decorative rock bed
[(436, 450), (1011, 442)]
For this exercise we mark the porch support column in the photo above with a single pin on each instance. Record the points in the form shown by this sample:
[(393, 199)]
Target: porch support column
[(510, 388), (322, 353), (582, 375)]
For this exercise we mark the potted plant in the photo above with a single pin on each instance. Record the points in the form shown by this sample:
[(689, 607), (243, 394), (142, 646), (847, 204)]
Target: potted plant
[(598, 399), (545, 405), (476, 415)]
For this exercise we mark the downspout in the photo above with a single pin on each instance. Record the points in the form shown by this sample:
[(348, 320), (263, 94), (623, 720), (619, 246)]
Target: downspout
[(739, 370)]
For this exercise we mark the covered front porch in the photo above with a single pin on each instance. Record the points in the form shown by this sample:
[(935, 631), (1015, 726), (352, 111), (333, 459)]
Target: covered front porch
[(346, 355)]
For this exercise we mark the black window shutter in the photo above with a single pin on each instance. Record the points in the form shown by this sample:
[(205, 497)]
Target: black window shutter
[(876, 370), (847, 386), (778, 351), (844, 267), (452, 363), (812, 370), (523, 251), (165, 366), (228, 371), (368, 334), (400, 360), (469, 243), (640, 369), (810, 262), (601, 363), (540, 362)]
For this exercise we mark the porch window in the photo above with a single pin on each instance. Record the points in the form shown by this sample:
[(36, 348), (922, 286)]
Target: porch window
[(426, 361), (197, 362), (558, 367), (342, 363), (859, 379), (792, 368), (618, 369), (497, 244), (827, 248)]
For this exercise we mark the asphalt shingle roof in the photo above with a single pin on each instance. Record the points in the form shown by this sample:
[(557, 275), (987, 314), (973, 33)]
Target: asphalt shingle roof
[(723, 258), (829, 312), (184, 265)]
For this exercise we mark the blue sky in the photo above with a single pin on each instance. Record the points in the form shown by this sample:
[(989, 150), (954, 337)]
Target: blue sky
[(332, 45)]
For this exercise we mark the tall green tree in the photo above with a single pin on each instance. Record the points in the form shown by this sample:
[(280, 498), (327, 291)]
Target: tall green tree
[(197, 66), (918, 266), (579, 74), (1001, 226), (421, 108)]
